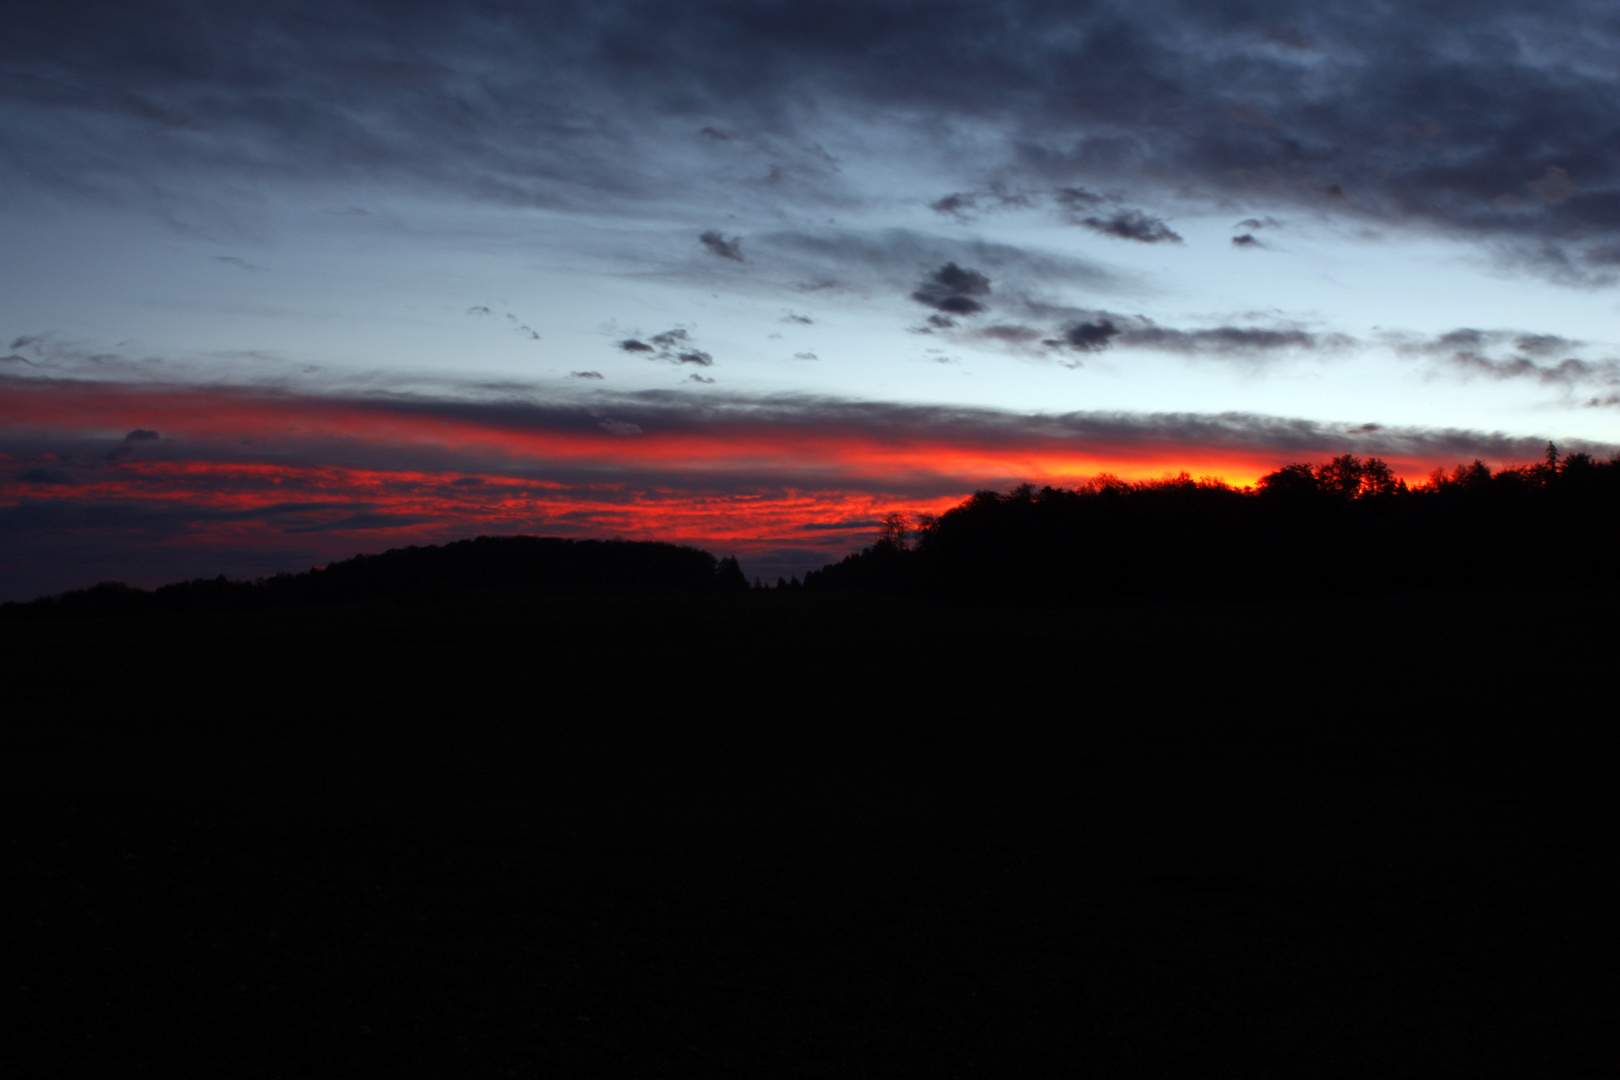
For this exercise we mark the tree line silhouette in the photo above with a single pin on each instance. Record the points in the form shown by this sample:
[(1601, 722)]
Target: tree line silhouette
[(1348, 524), (1344, 525), (489, 563)]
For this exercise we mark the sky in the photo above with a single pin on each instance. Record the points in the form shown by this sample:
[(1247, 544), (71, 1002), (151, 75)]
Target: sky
[(285, 282)]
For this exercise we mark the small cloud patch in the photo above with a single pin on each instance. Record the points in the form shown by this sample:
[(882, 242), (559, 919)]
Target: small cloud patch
[(619, 427), (953, 289), (722, 248), (1133, 225), (672, 346), (1090, 336), (44, 475)]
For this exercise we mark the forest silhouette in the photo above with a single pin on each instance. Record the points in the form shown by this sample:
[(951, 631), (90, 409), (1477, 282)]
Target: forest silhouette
[(1344, 525), (525, 806)]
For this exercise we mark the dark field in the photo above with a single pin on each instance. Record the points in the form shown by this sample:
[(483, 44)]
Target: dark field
[(796, 836)]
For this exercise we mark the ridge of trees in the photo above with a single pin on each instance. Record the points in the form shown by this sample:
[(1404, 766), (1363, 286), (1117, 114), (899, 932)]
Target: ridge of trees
[(506, 563), (1344, 525)]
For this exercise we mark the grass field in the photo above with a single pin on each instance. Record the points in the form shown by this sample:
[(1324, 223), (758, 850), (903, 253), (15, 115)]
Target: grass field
[(796, 836)]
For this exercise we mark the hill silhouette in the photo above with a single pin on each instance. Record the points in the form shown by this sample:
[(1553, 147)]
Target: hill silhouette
[(1343, 525), (504, 563), (585, 815)]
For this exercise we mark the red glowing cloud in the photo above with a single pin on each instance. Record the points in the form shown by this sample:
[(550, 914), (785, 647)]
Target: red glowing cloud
[(193, 473)]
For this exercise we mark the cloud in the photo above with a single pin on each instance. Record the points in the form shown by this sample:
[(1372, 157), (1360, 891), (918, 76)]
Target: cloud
[(1247, 240), (1096, 331), (954, 290), (1133, 225), (964, 205), (243, 263), (1411, 121), (1077, 199), (673, 346), (959, 204), (1513, 354), (254, 469), (142, 435), (857, 523), (1230, 340), (882, 260), (726, 249), (1090, 336), (479, 309), (585, 375), (46, 475)]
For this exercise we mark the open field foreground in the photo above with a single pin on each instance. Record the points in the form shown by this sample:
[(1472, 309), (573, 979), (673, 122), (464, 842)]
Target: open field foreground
[(787, 835)]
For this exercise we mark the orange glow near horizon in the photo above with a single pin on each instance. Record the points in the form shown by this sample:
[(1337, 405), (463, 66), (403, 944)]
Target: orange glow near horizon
[(256, 469)]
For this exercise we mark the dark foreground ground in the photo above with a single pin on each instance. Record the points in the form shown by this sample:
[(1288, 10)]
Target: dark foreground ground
[(776, 837)]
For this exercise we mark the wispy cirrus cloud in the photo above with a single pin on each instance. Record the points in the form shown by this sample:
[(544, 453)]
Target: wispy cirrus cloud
[(1546, 359)]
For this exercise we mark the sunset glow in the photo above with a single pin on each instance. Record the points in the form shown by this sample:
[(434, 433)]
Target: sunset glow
[(274, 296)]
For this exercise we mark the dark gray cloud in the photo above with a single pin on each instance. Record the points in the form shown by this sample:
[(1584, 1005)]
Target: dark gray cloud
[(719, 246), (1246, 240), (1233, 340), (672, 346), (881, 260), (1106, 214), (44, 474), (142, 435), (1077, 200), (965, 205), (1093, 332), (1133, 225), (954, 290), (1549, 359), (1090, 336), (585, 375), (1499, 125)]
